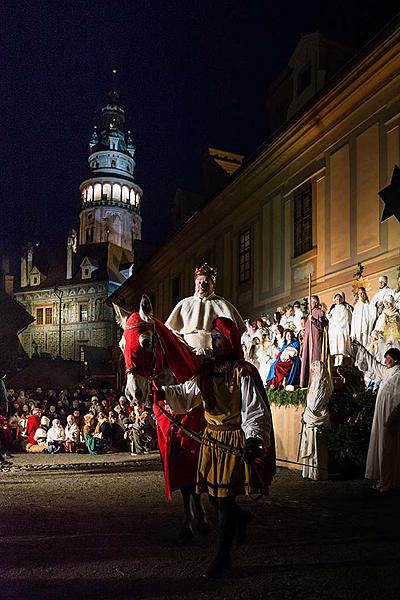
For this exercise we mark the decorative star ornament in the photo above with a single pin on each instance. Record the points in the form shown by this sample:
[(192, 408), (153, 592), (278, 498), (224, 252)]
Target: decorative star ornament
[(391, 196)]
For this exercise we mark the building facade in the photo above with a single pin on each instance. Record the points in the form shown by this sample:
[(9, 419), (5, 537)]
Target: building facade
[(307, 202), (65, 289)]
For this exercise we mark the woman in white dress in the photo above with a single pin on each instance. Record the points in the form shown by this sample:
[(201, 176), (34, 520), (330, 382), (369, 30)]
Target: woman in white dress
[(313, 453), (339, 329), (267, 353), (361, 321), (383, 460)]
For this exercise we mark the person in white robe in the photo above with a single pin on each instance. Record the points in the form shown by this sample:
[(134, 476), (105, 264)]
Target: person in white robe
[(297, 316), (397, 294), (287, 319), (361, 320), (248, 335), (383, 460), (339, 329), (313, 452), (376, 304), (192, 317), (388, 324), (267, 352)]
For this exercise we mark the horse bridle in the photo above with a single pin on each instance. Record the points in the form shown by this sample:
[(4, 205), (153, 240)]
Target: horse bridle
[(156, 340)]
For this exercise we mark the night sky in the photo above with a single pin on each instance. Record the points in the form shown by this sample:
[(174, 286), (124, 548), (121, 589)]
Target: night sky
[(192, 74)]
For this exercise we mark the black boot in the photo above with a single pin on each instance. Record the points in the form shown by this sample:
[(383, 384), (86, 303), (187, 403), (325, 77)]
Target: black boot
[(244, 517), (220, 565)]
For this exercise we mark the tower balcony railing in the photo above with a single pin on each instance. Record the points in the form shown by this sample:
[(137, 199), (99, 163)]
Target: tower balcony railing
[(118, 203)]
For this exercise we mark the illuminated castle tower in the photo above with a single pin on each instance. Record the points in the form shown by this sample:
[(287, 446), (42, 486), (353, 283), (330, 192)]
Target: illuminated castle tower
[(110, 198)]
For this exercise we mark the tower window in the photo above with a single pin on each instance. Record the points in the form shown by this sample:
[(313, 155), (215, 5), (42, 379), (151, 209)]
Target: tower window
[(113, 164), (302, 224), (107, 191), (125, 193), (116, 192), (89, 235), (97, 191), (245, 256)]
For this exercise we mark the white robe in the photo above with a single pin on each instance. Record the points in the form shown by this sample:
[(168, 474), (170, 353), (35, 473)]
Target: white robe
[(298, 314), (314, 455), (266, 354), (192, 318), (361, 323), (383, 460), (376, 303), (339, 330)]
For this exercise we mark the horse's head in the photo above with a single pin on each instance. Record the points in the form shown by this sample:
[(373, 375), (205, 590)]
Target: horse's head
[(138, 344), (152, 351)]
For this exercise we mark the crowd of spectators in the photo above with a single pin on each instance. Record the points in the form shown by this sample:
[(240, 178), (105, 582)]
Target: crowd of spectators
[(81, 420), (276, 344)]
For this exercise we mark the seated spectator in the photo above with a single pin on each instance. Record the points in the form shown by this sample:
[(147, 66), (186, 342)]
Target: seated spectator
[(55, 437), (32, 425), (41, 436), (15, 415), (142, 432), (287, 365), (103, 428), (94, 406), (123, 403), (78, 418), (118, 442), (52, 414), (72, 435), (94, 444)]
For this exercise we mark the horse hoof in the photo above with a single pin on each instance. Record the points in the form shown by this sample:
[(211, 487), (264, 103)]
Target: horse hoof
[(203, 526)]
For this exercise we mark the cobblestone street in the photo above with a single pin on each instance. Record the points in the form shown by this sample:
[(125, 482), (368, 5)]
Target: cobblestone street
[(100, 528)]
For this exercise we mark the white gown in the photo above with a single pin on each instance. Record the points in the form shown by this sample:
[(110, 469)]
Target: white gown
[(314, 455), (339, 330), (361, 323), (383, 460)]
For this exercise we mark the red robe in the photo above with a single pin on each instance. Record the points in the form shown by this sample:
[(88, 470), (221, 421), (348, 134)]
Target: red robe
[(32, 425)]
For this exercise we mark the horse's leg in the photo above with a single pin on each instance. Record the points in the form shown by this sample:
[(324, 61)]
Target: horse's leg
[(186, 532), (203, 524)]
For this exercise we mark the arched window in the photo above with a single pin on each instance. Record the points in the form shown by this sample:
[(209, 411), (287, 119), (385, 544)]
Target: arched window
[(97, 191), (132, 197), (137, 199), (90, 193), (113, 164), (125, 193), (107, 191), (84, 194), (116, 192)]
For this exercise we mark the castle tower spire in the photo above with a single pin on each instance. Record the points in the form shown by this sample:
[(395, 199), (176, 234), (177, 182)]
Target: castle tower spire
[(110, 198)]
